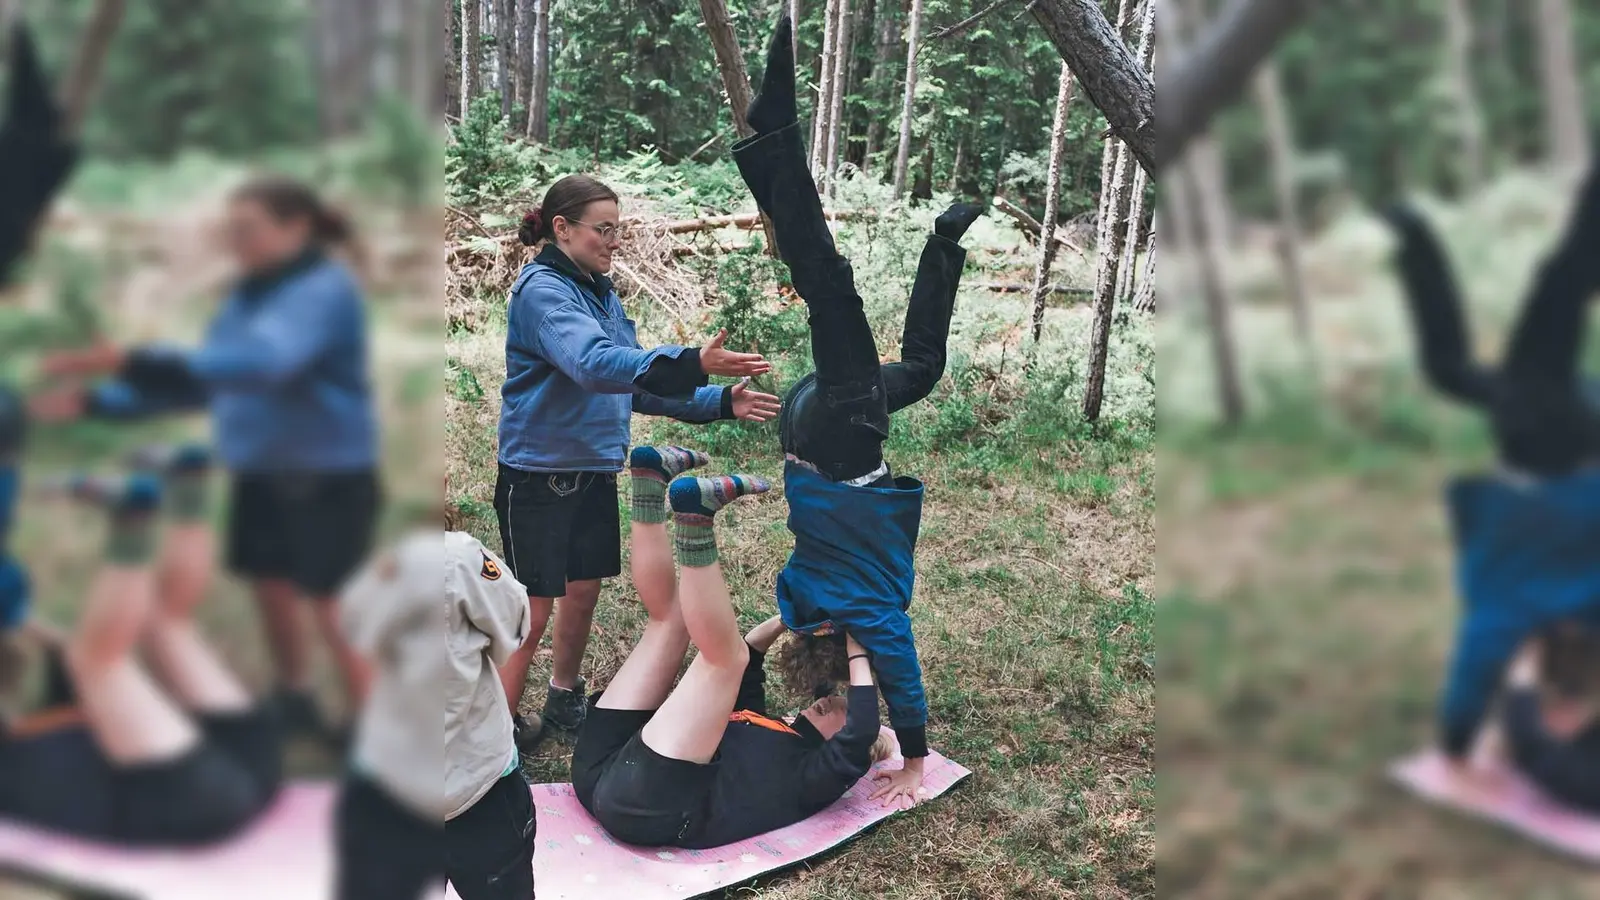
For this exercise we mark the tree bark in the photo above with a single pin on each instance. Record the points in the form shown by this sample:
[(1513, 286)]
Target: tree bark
[(903, 156), (93, 48), (1210, 169), (819, 119), (1218, 68), (452, 62), (539, 107), (1567, 141), (1130, 243), (1112, 232), (505, 50), (1280, 144), (735, 80), (1107, 70), (524, 67), (1218, 301), (888, 39), (1144, 298), (1458, 31), (836, 114), (1052, 200), (1031, 225), (471, 47)]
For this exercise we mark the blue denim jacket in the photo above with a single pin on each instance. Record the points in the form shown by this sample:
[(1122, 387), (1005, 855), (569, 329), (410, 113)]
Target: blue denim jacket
[(283, 369), (573, 363)]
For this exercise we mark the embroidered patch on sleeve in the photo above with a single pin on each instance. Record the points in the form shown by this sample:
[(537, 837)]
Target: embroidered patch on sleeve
[(491, 569)]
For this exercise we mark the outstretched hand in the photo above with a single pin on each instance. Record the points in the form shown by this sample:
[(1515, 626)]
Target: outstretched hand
[(102, 358), (717, 360), (895, 785), (753, 406), (59, 405)]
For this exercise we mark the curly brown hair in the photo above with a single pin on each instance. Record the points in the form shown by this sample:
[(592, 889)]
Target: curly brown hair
[(1571, 659), (812, 666)]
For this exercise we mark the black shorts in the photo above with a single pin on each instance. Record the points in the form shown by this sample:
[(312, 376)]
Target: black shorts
[(313, 529), (558, 527), (637, 795), (62, 781), (388, 852)]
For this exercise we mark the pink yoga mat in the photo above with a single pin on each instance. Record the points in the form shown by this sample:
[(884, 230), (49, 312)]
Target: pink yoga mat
[(1508, 800), (288, 855), (577, 860)]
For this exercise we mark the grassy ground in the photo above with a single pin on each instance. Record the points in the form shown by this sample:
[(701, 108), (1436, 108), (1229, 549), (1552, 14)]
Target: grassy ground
[(1306, 591), (1032, 616)]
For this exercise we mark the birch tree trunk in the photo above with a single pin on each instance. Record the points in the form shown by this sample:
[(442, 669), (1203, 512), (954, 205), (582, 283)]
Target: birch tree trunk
[(903, 157), (1052, 201)]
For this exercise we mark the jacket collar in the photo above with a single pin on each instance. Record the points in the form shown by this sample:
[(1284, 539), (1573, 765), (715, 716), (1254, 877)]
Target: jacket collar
[(254, 285), (597, 284)]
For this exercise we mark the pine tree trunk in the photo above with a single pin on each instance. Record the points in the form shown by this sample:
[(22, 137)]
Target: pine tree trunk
[(819, 119), (1052, 201), (471, 45), (1211, 172), (1112, 231), (735, 80), (903, 157), (539, 113), (505, 49), (888, 39), (1280, 144), (1107, 70), (836, 114), (955, 168), (1144, 299), (1219, 302), (1566, 136), (1458, 29), (524, 67), (452, 61), (858, 74), (1130, 242)]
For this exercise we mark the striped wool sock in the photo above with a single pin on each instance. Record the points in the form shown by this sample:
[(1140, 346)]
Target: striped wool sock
[(133, 506), (695, 502), (653, 468)]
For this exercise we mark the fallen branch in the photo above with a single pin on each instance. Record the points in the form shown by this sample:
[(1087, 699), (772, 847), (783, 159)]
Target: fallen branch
[(1032, 226), (748, 221), (1024, 288)]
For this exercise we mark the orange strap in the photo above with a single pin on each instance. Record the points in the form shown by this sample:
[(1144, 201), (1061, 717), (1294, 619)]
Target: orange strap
[(45, 721), (752, 718)]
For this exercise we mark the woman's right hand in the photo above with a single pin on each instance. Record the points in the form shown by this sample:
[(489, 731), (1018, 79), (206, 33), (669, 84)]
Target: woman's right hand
[(716, 360)]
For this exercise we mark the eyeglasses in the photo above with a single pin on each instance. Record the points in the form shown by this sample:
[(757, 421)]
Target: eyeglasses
[(606, 232)]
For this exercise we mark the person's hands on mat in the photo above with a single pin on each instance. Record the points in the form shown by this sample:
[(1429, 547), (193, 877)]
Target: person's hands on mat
[(716, 359), (753, 406)]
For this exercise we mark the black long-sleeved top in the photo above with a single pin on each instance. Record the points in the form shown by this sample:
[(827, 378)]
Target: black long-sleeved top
[(1567, 770), (769, 778)]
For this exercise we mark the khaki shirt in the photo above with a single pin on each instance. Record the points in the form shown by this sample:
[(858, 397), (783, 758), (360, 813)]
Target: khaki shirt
[(436, 646)]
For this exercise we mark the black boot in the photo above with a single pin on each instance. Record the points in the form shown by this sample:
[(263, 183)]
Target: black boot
[(566, 710)]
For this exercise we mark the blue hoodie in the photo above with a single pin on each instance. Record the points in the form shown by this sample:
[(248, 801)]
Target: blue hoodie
[(283, 369), (575, 374), (1527, 556), (851, 570)]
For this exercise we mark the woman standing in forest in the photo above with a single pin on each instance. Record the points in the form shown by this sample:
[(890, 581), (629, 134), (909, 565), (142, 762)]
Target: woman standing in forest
[(575, 375), (283, 369)]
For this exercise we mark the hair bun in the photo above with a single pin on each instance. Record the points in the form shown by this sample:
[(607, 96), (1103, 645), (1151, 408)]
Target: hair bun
[(535, 219)]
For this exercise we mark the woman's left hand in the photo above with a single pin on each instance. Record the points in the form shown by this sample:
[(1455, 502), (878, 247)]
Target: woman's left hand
[(60, 405), (903, 782), (753, 406)]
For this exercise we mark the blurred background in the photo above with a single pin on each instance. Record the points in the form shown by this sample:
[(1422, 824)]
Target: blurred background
[(1307, 604), (183, 101)]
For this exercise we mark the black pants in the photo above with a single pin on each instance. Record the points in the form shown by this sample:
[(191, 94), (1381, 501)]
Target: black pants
[(838, 418), (1543, 421), (557, 527), (387, 852)]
